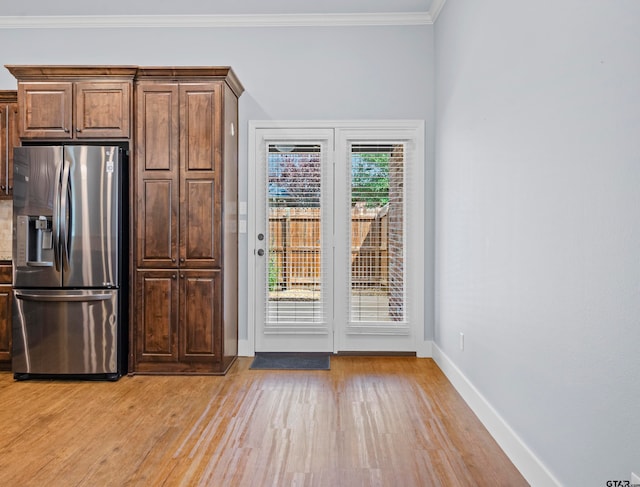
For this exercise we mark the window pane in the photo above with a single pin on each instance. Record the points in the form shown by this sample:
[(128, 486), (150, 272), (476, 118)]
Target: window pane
[(294, 274), (377, 232)]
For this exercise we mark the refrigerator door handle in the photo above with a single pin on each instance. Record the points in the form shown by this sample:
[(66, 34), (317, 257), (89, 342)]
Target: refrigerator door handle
[(65, 216), (35, 296), (55, 221)]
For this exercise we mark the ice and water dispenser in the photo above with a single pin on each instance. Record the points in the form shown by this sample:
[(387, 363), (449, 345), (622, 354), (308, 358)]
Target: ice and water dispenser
[(34, 243)]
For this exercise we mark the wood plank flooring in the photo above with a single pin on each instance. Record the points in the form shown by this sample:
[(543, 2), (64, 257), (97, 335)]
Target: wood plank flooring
[(369, 421)]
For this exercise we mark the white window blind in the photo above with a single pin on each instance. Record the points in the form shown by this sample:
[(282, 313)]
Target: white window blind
[(377, 229), (296, 261)]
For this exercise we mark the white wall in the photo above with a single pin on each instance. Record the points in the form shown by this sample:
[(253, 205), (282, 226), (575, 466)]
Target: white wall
[(288, 73), (538, 222)]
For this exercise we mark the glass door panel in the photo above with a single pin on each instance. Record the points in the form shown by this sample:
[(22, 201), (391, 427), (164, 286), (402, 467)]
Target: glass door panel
[(377, 233), (293, 290), (295, 256)]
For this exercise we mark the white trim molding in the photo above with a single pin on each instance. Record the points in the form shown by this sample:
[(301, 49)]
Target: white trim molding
[(424, 349), (401, 337), (436, 8), (245, 349), (529, 465), (240, 20)]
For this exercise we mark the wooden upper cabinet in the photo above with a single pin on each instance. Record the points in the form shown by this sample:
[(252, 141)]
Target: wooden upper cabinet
[(45, 110), (102, 109), (74, 102), (80, 110)]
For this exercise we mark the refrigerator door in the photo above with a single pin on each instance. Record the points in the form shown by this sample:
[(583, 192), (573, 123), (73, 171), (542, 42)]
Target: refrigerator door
[(89, 216), (37, 180), (71, 332)]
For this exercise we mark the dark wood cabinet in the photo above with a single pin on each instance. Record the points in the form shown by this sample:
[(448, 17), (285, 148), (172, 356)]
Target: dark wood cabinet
[(74, 102), (45, 111), (178, 205), (6, 298), (200, 171), (200, 320), (8, 140), (185, 221), (102, 109), (157, 172), (178, 322), (156, 333)]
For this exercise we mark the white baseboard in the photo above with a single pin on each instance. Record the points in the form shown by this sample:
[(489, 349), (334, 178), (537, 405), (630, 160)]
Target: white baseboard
[(244, 350), (424, 349), (522, 457)]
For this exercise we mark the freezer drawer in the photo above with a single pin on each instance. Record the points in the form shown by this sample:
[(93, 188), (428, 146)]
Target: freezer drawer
[(65, 332)]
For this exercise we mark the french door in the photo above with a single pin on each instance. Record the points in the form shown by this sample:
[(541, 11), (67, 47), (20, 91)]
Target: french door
[(335, 239)]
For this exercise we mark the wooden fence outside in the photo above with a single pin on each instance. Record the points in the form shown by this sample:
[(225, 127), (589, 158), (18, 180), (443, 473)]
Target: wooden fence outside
[(295, 235)]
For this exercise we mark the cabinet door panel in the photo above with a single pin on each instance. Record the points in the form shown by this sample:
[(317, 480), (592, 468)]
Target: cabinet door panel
[(45, 111), (157, 308), (200, 224), (200, 321), (5, 325), (8, 140), (200, 111), (157, 174), (157, 127), (102, 109), (157, 225), (13, 139), (4, 149)]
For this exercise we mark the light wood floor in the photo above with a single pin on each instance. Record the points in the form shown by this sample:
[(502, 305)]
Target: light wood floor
[(370, 421)]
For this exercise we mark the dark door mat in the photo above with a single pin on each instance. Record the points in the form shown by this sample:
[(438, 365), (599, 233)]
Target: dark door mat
[(291, 361)]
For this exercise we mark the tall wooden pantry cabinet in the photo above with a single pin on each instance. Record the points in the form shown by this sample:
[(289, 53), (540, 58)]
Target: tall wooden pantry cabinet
[(185, 220)]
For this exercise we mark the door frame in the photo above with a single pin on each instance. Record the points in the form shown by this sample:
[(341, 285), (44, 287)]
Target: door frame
[(416, 185)]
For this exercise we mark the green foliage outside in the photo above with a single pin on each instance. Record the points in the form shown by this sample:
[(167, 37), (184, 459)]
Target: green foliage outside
[(370, 179), (274, 270), (294, 179)]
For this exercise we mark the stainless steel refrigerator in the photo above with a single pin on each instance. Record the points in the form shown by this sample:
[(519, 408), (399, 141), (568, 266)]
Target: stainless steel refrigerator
[(67, 262)]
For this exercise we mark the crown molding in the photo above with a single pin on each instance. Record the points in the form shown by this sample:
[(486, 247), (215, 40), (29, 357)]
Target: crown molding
[(436, 8), (191, 21), (8, 96)]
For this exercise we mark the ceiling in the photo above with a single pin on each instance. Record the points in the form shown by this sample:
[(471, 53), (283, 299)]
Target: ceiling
[(218, 7)]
